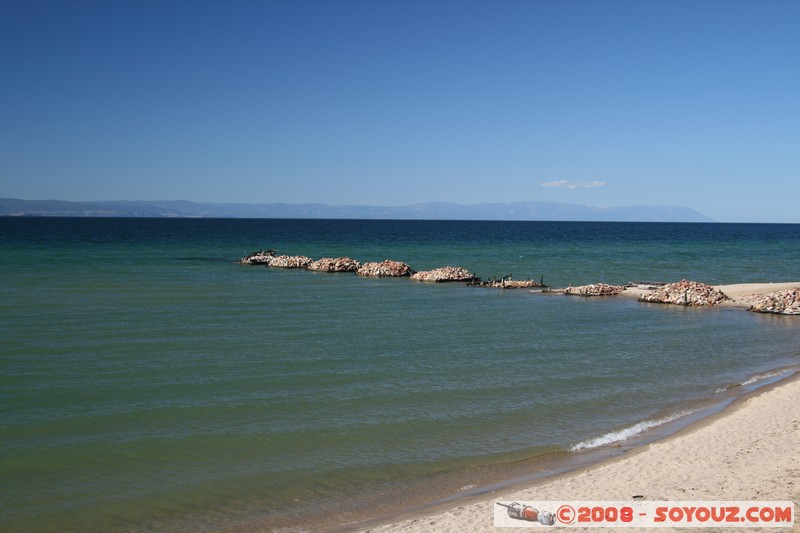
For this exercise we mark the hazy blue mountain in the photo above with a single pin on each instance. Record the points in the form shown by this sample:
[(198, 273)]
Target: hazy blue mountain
[(429, 210)]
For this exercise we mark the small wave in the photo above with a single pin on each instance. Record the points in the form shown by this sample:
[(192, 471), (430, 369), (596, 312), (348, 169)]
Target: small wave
[(751, 380), (626, 433), (765, 375)]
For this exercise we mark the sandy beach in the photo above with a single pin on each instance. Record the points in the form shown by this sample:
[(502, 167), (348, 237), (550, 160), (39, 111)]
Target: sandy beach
[(748, 452)]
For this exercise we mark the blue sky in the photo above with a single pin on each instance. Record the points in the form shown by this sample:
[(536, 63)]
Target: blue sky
[(607, 103)]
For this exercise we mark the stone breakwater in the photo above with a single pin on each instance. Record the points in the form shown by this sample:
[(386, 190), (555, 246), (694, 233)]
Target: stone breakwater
[(385, 269), (596, 289), (507, 282), (683, 292), (382, 269), (261, 257), (444, 274), (339, 264), (688, 293), (290, 261), (782, 303)]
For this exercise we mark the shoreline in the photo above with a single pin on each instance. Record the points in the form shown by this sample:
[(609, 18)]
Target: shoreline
[(604, 477), (744, 451)]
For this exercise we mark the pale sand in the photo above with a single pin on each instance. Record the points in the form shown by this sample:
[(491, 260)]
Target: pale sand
[(751, 451), (741, 293)]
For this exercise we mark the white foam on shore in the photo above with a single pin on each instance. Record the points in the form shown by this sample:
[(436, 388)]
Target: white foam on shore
[(754, 379), (766, 375), (627, 433)]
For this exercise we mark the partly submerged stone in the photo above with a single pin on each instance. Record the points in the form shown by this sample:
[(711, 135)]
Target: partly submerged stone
[(444, 274), (289, 261), (689, 293), (596, 289), (781, 303), (261, 257), (506, 282), (338, 264), (387, 268)]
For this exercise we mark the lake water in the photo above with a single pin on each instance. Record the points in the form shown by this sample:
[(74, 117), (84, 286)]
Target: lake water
[(151, 383)]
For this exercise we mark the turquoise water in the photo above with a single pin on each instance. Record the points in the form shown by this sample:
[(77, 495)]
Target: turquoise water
[(150, 383)]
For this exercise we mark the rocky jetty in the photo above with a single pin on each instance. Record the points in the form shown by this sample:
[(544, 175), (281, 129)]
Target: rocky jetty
[(689, 293), (596, 289), (261, 257), (289, 261), (387, 268), (338, 264), (444, 274), (506, 282), (781, 303)]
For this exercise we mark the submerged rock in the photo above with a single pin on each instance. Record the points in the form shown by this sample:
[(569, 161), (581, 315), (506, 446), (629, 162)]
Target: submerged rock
[(781, 303), (387, 268), (596, 289), (444, 274), (339, 264), (689, 293)]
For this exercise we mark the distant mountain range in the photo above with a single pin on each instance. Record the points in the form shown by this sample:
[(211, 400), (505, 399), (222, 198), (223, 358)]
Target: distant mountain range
[(423, 211)]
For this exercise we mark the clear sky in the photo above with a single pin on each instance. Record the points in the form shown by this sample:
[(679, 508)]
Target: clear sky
[(602, 102)]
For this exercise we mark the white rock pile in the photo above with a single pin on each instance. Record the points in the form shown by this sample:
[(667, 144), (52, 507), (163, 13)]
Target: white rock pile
[(387, 268), (339, 264), (261, 257), (596, 289), (444, 274), (289, 261), (689, 293), (782, 303)]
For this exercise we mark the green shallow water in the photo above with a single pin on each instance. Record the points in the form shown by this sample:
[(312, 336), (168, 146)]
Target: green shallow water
[(149, 383)]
